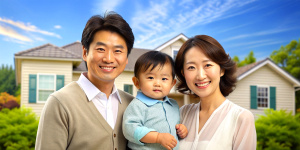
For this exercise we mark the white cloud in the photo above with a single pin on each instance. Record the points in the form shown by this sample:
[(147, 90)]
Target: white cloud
[(100, 6), (162, 17), (9, 32), (57, 27), (261, 33), (27, 27)]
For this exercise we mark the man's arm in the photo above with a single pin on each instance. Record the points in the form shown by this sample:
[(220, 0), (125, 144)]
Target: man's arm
[(53, 126)]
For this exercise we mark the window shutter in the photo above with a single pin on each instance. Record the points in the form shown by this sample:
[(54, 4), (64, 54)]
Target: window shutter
[(60, 82), (273, 97), (253, 96), (32, 88)]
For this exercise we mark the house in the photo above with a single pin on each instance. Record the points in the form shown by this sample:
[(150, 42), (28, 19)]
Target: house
[(45, 69)]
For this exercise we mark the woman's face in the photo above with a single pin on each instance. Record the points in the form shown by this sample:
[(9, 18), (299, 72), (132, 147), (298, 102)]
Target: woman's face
[(202, 75)]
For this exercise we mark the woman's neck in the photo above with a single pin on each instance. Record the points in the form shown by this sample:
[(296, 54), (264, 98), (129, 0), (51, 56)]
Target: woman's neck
[(211, 103)]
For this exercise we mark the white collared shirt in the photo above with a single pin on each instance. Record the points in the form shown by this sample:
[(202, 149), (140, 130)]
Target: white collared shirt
[(108, 108)]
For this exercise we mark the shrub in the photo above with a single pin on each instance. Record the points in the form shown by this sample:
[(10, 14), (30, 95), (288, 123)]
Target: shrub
[(278, 130), (18, 128)]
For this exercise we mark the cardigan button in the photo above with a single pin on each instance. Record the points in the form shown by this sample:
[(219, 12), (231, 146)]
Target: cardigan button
[(115, 135), (116, 149)]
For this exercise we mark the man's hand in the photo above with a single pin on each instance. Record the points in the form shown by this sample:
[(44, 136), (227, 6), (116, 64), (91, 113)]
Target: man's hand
[(166, 140), (181, 130)]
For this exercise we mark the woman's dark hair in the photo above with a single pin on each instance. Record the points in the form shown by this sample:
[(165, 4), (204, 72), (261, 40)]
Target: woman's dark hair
[(111, 22), (214, 50), (152, 59)]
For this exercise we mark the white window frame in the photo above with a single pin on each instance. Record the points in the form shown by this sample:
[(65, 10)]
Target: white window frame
[(175, 48), (37, 87), (268, 96)]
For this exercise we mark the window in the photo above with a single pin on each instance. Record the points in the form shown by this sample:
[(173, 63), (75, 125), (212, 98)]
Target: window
[(262, 97), (46, 86), (128, 88), (42, 85), (175, 54)]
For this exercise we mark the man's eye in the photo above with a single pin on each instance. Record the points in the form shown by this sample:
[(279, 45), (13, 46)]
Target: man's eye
[(100, 49)]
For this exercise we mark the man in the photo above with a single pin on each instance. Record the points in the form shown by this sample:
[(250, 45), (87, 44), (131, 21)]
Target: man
[(87, 114)]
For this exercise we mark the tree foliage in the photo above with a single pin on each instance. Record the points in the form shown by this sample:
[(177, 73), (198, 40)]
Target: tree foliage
[(278, 130), (18, 128), (288, 57), (9, 101), (8, 80), (248, 60)]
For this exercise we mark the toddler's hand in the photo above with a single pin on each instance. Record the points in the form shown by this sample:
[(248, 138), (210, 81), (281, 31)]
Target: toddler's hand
[(166, 140), (181, 130)]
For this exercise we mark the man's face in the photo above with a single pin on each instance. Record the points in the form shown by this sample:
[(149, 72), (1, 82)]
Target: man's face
[(107, 57)]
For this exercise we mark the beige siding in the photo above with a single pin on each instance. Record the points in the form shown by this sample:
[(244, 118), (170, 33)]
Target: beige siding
[(174, 46), (35, 67), (264, 76), (76, 76), (125, 78)]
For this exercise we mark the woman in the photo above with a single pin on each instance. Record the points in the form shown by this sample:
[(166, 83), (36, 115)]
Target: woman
[(215, 123)]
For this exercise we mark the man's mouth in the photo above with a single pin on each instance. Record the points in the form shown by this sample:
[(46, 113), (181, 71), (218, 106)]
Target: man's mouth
[(107, 68)]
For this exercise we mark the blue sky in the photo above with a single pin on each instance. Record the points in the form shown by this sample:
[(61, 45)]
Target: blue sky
[(239, 25)]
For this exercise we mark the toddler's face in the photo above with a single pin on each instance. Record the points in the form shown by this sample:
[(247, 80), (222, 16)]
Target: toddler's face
[(157, 83)]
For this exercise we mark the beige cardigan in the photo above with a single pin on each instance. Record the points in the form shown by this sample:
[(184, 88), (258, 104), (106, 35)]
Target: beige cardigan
[(70, 121)]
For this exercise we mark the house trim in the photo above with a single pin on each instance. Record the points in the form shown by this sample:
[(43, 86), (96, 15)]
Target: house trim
[(268, 62), (168, 43)]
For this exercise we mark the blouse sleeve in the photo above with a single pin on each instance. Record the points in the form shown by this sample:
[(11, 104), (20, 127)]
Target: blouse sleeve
[(245, 133)]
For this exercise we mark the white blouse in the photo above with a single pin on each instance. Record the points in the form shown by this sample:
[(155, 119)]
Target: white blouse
[(230, 127)]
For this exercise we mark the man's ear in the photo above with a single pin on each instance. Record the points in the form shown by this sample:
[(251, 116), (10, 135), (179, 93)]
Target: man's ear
[(136, 83), (84, 53)]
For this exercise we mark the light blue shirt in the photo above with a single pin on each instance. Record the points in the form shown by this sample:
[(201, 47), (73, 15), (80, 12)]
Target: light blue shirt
[(144, 115)]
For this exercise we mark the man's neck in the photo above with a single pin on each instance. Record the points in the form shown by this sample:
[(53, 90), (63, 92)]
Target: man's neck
[(104, 86)]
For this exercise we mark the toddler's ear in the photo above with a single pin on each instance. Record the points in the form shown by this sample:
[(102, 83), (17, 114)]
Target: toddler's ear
[(136, 83), (174, 82)]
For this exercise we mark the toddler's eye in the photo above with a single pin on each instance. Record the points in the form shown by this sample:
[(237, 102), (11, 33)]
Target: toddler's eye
[(164, 79), (150, 78)]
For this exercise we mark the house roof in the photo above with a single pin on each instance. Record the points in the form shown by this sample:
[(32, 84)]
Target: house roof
[(244, 71), (48, 51), (180, 36)]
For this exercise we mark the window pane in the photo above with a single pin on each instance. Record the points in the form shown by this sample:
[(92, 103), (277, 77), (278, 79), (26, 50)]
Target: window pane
[(175, 54), (46, 82), (43, 95)]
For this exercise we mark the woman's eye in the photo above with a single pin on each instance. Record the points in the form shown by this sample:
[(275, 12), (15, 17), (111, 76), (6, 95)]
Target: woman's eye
[(208, 65), (191, 67)]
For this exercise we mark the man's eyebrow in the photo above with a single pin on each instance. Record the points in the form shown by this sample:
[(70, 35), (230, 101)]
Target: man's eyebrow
[(103, 44)]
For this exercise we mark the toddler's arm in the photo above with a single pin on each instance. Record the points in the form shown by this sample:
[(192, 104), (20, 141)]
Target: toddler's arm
[(165, 139), (181, 130)]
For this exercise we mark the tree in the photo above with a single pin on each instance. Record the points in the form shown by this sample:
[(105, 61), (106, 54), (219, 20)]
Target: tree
[(288, 58), (248, 60), (8, 80)]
